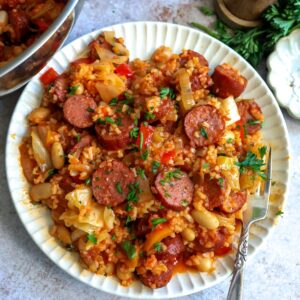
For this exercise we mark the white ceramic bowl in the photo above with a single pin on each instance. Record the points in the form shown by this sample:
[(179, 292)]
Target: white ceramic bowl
[(284, 73), (142, 38)]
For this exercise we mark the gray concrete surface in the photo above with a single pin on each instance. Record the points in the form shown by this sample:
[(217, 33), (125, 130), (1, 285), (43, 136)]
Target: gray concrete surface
[(26, 273)]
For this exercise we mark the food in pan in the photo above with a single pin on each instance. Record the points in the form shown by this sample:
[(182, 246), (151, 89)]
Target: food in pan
[(145, 165), (22, 22)]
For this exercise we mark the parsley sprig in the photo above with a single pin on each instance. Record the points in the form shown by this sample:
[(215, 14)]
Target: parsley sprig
[(253, 163), (129, 249), (280, 19), (165, 92)]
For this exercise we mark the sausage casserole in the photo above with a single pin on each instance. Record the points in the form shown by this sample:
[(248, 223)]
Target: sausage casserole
[(146, 166)]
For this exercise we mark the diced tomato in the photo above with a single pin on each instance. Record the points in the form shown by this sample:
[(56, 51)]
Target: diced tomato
[(124, 70), (83, 60), (41, 24), (222, 251), (144, 137), (49, 76), (167, 156)]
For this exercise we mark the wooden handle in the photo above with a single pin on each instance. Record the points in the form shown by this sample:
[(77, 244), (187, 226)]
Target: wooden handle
[(247, 9)]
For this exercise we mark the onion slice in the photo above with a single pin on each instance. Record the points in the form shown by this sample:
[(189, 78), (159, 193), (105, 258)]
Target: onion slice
[(187, 98)]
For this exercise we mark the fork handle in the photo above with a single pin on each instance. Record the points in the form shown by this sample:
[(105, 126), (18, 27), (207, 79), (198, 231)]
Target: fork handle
[(236, 286)]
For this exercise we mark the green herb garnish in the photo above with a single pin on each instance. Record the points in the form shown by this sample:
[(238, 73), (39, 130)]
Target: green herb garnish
[(280, 213), (134, 132), (88, 181), (119, 188), (149, 116), (141, 172), (113, 237), (207, 11), (119, 121), (205, 165), (113, 102), (157, 247), (109, 120), (78, 137), (253, 163), (203, 132), (129, 249), (145, 154), (141, 140), (91, 110), (155, 166), (184, 203), (72, 90), (51, 173), (165, 91), (262, 151), (92, 238), (157, 221)]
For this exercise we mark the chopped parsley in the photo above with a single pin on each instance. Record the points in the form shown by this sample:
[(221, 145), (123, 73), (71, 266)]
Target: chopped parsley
[(78, 137), (149, 116), (253, 122), (141, 140), (133, 194), (51, 173), (113, 102), (205, 165), (119, 121), (176, 173), (207, 11), (157, 221), (253, 163), (109, 120), (88, 181), (128, 220), (128, 99), (184, 203), (100, 121), (91, 238), (145, 154), (203, 132), (141, 172), (221, 181), (157, 247), (119, 188), (161, 207), (280, 213), (129, 249), (155, 166), (136, 121), (134, 132), (72, 90), (128, 207), (229, 141), (113, 237), (262, 151), (91, 110), (273, 182), (165, 91)]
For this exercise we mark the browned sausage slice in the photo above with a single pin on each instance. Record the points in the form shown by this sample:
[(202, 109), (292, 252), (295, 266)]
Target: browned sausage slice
[(59, 90), (175, 189), (203, 125), (210, 240), (115, 140), (77, 111), (227, 81), (215, 190), (251, 115), (85, 140), (155, 281), (234, 202), (20, 24), (110, 182), (174, 250), (190, 54)]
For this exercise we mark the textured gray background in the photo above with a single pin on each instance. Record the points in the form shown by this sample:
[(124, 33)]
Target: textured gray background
[(26, 273)]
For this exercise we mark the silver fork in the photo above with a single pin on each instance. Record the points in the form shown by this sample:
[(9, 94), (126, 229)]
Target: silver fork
[(257, 210)]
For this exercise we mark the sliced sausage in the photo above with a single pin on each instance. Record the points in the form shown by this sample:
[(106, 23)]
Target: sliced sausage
[(142, 226), (174, 250), (203, 125), (59, 90), (77, 111), (234, 202), (251, 115), (110, 182), (215, 190), (20, 24), (155, 281), (190, 54), (227, 81), (175, 191), (85, 140), (165, 106), (210, 240), (102, 43), (115, 140)]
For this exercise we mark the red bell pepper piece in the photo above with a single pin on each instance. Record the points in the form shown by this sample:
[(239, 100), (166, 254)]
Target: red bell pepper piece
[(124, 70), (167, 156), (49, 76), (222, 251), (41, 24), (144, 137), (242, 129)]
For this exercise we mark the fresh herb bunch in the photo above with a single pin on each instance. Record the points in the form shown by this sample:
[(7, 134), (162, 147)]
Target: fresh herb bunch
[(279, 20)]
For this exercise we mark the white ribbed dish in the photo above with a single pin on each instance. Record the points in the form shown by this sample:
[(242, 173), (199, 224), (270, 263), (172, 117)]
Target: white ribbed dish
[(142, 38), (284, 73)]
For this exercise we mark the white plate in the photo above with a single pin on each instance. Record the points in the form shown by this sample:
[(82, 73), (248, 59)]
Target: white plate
[(142, 38), (284, 73)]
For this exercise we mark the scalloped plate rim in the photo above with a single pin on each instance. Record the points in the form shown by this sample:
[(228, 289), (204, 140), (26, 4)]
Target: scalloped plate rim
[(9, 145)]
